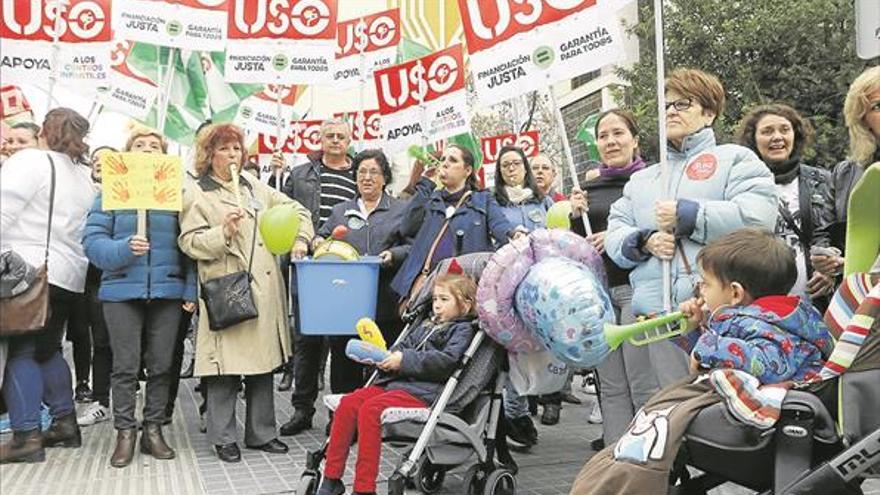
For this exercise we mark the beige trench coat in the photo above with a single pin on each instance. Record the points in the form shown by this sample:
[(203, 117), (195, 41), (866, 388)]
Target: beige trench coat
[(255, 346)]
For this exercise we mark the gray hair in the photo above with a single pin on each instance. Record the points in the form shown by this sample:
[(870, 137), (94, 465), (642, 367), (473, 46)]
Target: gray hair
[(335, 121)]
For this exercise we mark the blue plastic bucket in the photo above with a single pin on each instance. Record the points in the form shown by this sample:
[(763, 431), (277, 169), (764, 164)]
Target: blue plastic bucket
[(334, 294)]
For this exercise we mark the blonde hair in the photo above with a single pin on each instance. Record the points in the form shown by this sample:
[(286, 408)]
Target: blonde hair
[(140, 132), (699, 85), (211, 138), (462, 288), (862, 142)]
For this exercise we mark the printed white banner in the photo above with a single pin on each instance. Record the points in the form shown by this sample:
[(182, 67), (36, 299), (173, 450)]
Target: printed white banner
[(191, 24), (84, 66), (444, 117), (375, 36), (347, 71), (130, 96), (259, 113), (531, 60)]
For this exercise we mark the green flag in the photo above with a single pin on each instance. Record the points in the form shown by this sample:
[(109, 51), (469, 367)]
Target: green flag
[(408, 49), (586, 133)]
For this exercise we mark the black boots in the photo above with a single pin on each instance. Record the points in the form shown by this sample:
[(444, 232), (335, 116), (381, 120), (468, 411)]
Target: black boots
[(300, 422), (25, 446), (64, 432)]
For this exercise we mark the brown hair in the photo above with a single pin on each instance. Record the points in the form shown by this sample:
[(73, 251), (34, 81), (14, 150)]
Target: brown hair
[(144, 132), (628, 118), (463, 289), (699, 85), (748, 126), (761, 262), (212, 138), (65, 132)]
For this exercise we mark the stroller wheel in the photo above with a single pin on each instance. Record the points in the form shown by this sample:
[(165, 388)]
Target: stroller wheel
[(474, 480), (429, 476), (308, 483), (500, 482)]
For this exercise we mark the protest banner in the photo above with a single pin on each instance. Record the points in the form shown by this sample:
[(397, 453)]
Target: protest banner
[(367, 43), (293, 43), (423, 100), (259, 113), (516, 48), (128, 93), (13, 105), (366, 128), (303, 137), (191, 24), (141, 181), (79, 31), (527, 141)]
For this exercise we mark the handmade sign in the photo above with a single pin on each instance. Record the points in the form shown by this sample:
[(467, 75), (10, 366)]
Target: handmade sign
[(190, 24), (291, 42), (27, 28), (375, 36), (517, 47), (423, 100), (141, 181)]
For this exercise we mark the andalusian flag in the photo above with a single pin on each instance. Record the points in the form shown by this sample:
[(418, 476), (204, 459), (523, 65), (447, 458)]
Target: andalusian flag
[(586, 133)]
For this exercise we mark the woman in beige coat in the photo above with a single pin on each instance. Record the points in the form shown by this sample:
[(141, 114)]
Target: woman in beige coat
[(217, 232)]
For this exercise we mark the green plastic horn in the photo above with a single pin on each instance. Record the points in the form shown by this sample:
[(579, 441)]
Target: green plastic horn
[(647, 331)]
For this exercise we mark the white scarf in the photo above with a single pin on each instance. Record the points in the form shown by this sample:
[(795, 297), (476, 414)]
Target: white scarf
[(518, 194)]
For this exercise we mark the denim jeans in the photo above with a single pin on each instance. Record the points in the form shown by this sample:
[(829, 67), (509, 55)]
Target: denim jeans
[(36, 370)]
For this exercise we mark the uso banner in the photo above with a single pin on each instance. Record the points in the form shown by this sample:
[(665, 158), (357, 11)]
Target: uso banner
[(368, 128), (376, 36), (518, 47), (259, 112), (129, 93), (303, 137), (527, 141), (291, 42), (423, 97), (191, 24), (27, 29)]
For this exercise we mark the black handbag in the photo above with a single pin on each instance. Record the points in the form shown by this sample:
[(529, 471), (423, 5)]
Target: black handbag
[(229, 299)]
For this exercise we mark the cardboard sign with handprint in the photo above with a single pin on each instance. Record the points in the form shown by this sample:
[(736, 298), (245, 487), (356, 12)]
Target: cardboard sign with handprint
[(141, 181)]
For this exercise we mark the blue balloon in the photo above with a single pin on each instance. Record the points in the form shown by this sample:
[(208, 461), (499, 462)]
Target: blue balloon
[(565, 305)]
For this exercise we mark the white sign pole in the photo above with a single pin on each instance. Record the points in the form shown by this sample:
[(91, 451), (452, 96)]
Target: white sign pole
[(363, 81), (560, 126), (56, 49), (661, 135), (279, 137)]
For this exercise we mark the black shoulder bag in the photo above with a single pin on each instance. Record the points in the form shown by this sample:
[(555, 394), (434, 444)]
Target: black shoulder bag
[(229, 299)]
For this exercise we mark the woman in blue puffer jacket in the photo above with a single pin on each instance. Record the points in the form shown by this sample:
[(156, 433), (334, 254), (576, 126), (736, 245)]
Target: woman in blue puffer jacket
[(145, 281), (713, 190)]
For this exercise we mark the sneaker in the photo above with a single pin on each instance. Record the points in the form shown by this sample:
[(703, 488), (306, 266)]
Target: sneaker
[(595, 415), (93, 413), (82, 393)]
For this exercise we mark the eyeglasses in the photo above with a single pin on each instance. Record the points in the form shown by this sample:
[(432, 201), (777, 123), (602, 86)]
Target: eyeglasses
[(362, 172), (512, 164), (680, 105), (339, 136)]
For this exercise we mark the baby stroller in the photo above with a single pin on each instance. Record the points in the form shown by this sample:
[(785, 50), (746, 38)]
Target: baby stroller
[(826, 441), (463, 423)]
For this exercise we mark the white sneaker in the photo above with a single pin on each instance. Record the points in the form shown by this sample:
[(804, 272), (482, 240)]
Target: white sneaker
[(93, 413), (595, 415)]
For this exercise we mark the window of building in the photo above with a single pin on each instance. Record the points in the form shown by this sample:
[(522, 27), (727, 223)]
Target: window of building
[(573, 114)]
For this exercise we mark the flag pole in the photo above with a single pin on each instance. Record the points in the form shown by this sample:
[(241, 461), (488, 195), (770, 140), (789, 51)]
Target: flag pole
[(56, 49), (363, 82), (566, 147), (279, 139), (661, 134)]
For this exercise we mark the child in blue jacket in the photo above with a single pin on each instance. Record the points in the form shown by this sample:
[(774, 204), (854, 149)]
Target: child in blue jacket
[(753, 325), (412, 376)]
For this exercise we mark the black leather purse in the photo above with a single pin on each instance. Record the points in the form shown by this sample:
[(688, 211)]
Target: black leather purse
[(229, 299)]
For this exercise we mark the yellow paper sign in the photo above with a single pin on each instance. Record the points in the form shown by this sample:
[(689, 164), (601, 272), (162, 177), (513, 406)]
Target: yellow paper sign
[(141, 181)]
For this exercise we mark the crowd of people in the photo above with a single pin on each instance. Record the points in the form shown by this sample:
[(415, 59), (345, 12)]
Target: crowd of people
[(126, 300)]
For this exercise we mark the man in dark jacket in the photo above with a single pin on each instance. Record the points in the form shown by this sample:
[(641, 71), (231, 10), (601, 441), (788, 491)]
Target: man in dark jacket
[(319, 186)]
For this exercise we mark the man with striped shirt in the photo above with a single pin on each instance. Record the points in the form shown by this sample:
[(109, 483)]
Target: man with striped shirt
[(319, 185)]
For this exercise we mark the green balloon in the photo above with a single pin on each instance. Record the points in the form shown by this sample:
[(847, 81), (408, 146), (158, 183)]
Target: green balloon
[(279, 226), (559, 215)]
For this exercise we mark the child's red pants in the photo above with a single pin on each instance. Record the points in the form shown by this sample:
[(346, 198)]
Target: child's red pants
[(360, 411)]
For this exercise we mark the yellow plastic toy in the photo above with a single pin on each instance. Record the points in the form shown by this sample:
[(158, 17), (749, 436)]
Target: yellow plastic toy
[(369, 332)]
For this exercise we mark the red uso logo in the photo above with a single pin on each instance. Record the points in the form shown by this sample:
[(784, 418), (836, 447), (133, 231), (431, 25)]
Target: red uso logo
[(369, 33), (425, 79), (489, 22), (282, 19), (372, 129), (78, 21), (270, 93), (527, 141), (306, 136), (703, 167)]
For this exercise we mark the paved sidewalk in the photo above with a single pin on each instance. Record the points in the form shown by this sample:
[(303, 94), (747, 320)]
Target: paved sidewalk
[(548, 469)]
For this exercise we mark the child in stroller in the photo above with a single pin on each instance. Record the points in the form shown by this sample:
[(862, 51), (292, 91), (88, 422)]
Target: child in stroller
[(411, 376)]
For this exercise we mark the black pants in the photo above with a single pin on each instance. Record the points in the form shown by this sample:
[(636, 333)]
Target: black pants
[(177, 361), (79, 334), (345, 374), (102, 354)]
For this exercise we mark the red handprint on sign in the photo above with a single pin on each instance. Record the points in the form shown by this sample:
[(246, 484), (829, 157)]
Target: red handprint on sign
[(163, 172), (164, 194), (120, 192), (115, 164)]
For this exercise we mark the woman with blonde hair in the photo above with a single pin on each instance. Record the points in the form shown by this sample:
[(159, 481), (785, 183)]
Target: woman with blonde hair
[(218, 229), (861, 111)]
